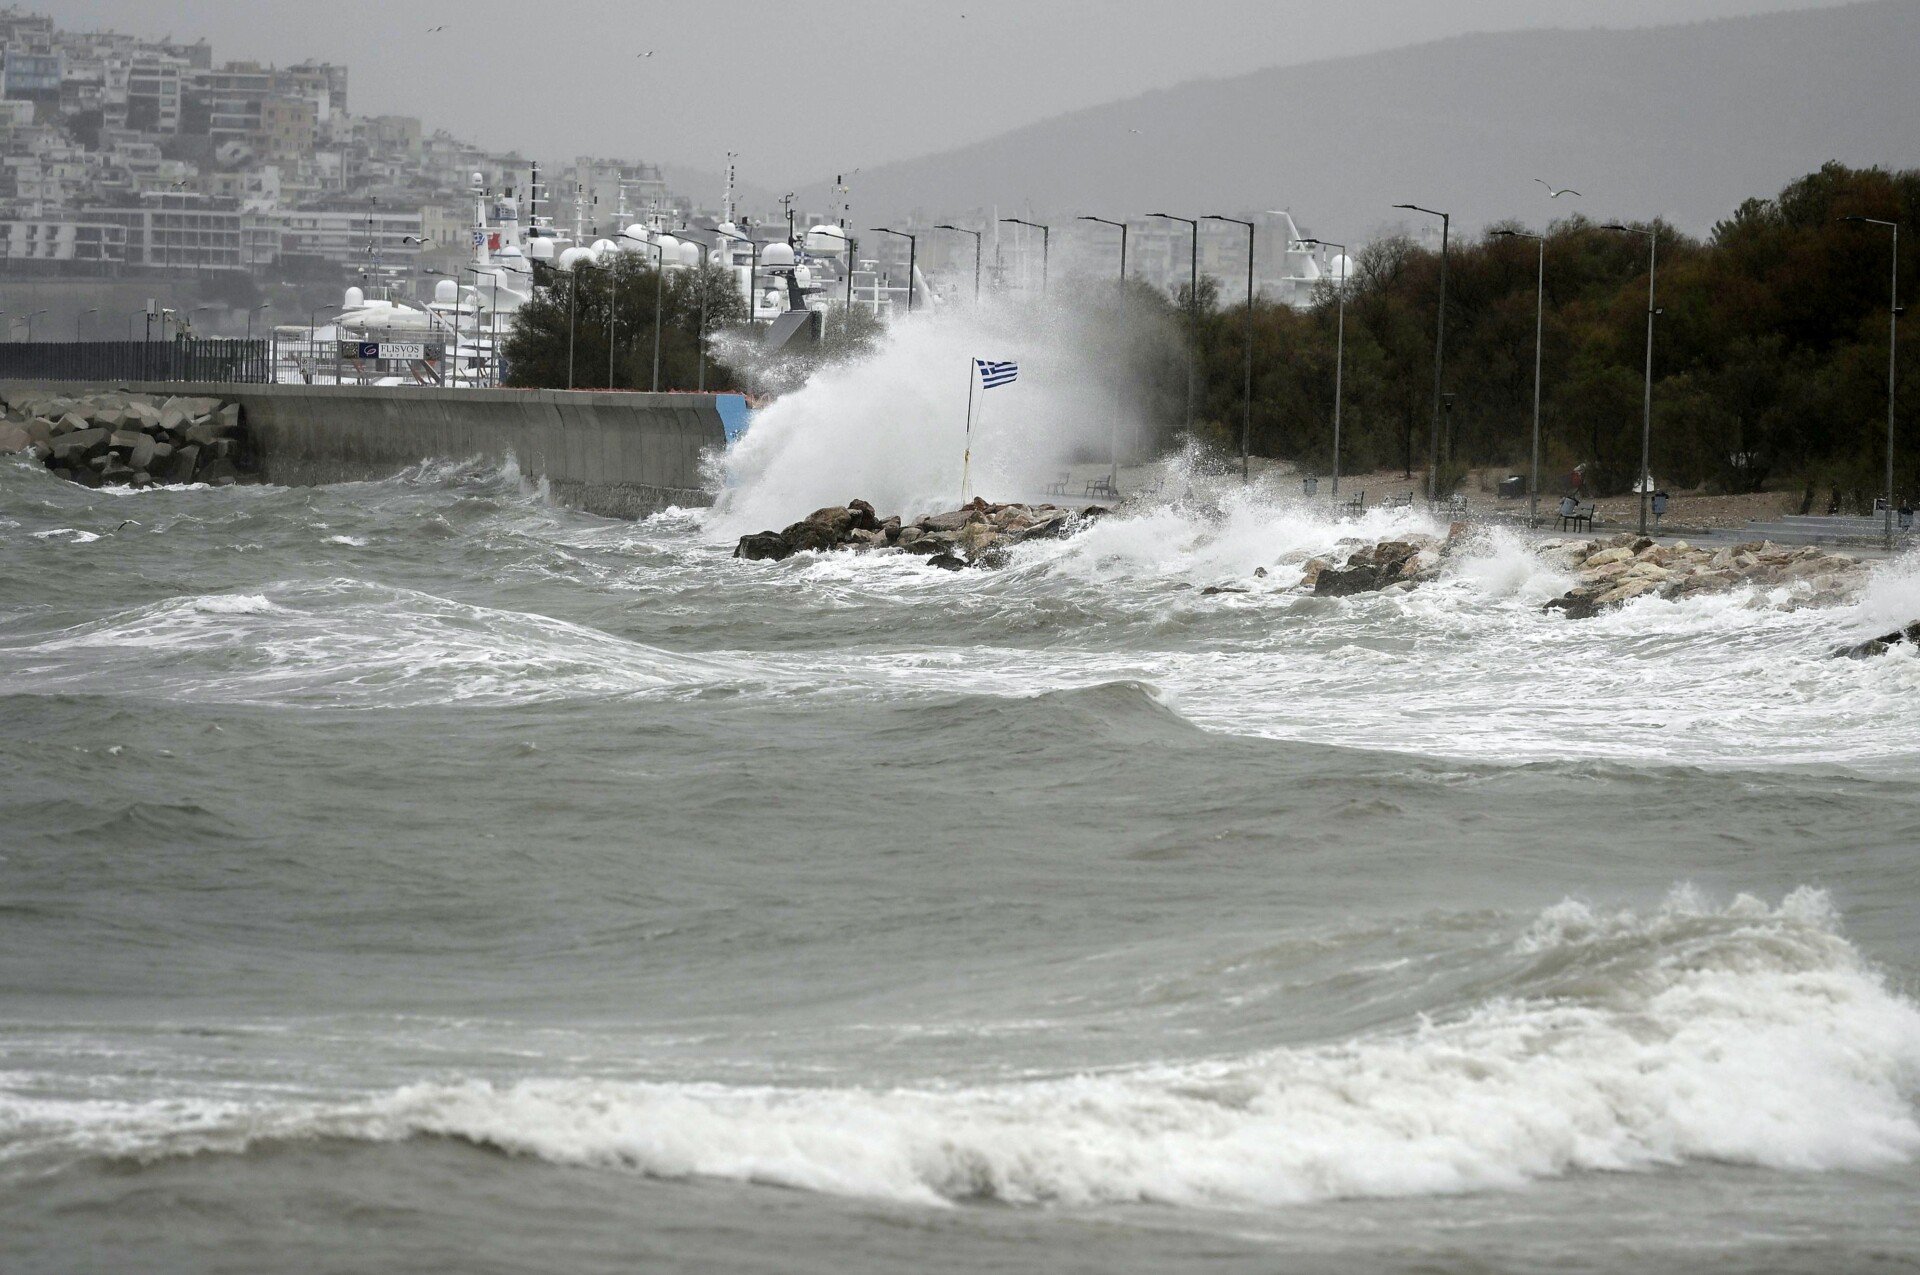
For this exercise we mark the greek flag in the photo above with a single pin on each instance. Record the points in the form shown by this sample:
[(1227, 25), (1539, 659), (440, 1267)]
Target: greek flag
[(994, 375)]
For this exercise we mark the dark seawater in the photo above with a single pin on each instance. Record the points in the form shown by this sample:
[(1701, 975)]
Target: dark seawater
[(418, 876)]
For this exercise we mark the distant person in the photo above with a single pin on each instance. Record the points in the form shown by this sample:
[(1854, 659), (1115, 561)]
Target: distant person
[(1569, 505), (1906, 515)]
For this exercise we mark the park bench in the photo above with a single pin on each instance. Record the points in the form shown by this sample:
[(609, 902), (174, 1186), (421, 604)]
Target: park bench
[(1103, 486), (1058, 487), (1578, 520)]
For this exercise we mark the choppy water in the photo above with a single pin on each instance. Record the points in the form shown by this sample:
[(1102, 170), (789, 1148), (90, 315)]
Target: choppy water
[(414, 875)]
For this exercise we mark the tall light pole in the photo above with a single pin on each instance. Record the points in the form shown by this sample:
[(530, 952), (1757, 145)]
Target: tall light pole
[(1439, 350), (1339, 352), (976, 257), (1539, 332), (31, 316), (913, 257), (1893, 350), (1113, 431), (1646, 408), (264, 305), (1193, 306), (1046, 238), (1122, 227), (659, 298), (1246, 407), (753, 270)]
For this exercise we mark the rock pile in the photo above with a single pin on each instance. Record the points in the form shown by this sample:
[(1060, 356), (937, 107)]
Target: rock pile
[(974, 535), (1909, 636), (124, 439), (1399, 565), (1616, 571)]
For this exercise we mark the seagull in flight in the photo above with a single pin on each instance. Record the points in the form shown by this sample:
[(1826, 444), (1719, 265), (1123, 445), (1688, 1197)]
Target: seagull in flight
[(1555, 194), (436, 30), (647, 54)]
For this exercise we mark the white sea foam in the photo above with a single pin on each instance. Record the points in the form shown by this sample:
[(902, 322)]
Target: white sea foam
[(1742, 1034), (346, 643)]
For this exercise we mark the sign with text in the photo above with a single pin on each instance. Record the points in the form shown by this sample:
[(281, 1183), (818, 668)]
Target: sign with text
[(400, 350)]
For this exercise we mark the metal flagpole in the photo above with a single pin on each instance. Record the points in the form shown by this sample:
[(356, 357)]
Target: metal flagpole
[(966, 461)]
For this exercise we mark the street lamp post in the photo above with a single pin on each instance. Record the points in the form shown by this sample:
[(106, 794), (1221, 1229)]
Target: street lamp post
[(1539, 331), (1439, 349), (913, 257), (1193, 306), (265, 305), (976, 256), (1893, 350), (1339, 353), (1122, 227), (1046, 238), (659, 296), (1646, 407), (1113, 433), (1246, 407), (31, 316)]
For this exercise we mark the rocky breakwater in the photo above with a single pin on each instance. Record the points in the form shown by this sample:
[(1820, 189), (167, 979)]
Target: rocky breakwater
[(978, 534), (115, 438), (1616, 571)]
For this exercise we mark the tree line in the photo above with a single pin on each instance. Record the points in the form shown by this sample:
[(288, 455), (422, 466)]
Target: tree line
[(1770, 352)]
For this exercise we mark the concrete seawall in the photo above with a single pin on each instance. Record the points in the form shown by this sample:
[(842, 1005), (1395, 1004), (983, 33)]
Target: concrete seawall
[(616, 454)]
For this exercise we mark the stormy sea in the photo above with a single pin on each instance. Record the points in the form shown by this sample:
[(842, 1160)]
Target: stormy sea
[(417, 875)]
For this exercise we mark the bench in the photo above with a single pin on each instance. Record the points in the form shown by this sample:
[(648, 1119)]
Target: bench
[(1103, 486), (1454, 506), (1403, 501), (1058, 487), (1578, 520), (1353, 508)]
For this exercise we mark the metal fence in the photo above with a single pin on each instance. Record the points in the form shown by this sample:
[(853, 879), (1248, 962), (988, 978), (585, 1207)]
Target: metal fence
[(181, 359)]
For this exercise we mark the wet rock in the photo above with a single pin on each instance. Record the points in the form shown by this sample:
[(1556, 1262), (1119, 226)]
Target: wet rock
[(763, 546), (947, 562), (14, 439), (78, 445), (220, 473), (1909, 636), (125, 440), (181, 465), (1212, 589), (810, 535), (141, 456)]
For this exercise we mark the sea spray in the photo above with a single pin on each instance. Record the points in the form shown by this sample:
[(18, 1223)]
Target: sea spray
[(890, 426)]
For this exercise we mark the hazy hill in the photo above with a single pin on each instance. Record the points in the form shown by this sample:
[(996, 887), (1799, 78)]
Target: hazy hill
[(1682, 122)]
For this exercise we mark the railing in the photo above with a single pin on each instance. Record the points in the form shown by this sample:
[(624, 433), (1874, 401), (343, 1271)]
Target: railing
[(181, 359)]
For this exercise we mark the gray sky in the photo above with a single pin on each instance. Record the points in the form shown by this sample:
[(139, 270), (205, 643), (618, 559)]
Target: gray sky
[(801, 89)]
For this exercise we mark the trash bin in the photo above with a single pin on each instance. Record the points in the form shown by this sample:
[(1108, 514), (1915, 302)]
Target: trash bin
[(1659, 504), (1513, 488), (1309, 484)]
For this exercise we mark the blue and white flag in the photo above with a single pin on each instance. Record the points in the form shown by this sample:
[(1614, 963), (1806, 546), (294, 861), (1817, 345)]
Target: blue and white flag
[(994, 375)]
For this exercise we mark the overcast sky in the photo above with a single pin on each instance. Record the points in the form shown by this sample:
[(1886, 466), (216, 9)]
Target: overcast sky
[(804, 90)]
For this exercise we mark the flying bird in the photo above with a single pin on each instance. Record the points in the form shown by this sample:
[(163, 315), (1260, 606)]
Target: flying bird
[(1555, 194), (435, 30), (647, 54)]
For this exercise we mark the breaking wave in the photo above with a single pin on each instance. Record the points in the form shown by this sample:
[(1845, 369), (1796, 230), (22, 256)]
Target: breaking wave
[(1741, 1034)]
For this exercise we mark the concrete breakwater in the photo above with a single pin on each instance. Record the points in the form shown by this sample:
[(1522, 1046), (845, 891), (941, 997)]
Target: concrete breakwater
[(621, 455), (133, 440)]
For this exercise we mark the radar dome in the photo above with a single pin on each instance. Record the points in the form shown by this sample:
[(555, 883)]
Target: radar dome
[(669, 251), (446, 292), (354, 300), (803, 275), (640, 232), (1340, 269), (690, 253), (826, 241), (778, 255), (540, 250), (601, 247), (573, 257)]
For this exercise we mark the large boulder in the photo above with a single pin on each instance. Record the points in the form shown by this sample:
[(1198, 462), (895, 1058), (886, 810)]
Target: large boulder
[(126, 439), (79, 445), (142, 455), (179, 467), (14, 438), (1909, 636), (763, 546)]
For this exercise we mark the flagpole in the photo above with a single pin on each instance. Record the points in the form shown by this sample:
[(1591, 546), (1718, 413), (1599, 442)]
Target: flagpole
[(966, 462)]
